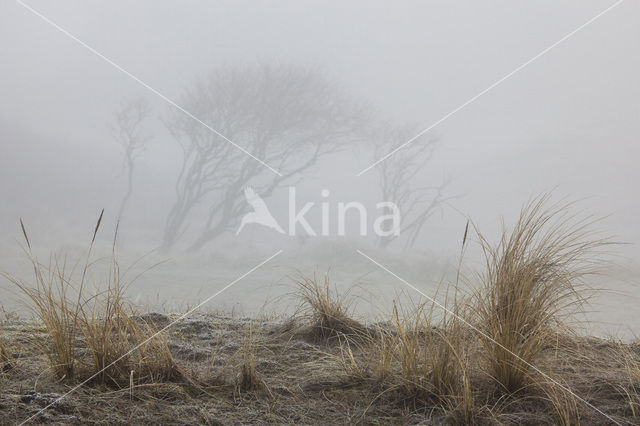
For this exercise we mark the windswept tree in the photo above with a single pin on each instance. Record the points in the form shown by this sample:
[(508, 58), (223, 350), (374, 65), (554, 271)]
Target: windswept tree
[(128, 132), (398, 175), (287, 116)]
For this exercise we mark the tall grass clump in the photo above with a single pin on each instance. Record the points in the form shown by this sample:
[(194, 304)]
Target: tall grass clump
[(533, 282), (57, 311), (107, 328), (95, 320), (55, 301), (118, 343), (329, 312)]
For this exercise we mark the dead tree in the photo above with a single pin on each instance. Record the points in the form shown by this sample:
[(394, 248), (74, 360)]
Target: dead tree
[(127, 130), (397, 176), (287, 116)]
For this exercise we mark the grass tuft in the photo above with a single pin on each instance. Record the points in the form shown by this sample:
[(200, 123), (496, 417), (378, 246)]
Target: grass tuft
[(329, 312), (97, 322), (57, 309), (532, 283), (249, 379), (433, 359)]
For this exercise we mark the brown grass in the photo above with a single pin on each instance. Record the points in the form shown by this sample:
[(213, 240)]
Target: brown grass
[(565, 408), (434, 363), (57, 310), (328, 311), (531, 284), (248, 379), (419, 365), (99, 320), (305, 386), (415, 359), (530, 289), (631, 389), (107, 329), (6, 360), (119, 344)]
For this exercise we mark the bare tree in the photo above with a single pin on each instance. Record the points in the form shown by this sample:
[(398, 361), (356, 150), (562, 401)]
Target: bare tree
[(127, 130), (397, 175), (287, 116)]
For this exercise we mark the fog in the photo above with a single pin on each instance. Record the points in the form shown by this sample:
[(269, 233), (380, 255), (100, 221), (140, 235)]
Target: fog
[(315, 92)]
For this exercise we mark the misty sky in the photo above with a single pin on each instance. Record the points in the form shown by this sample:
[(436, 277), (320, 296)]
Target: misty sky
[(569, 121)]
